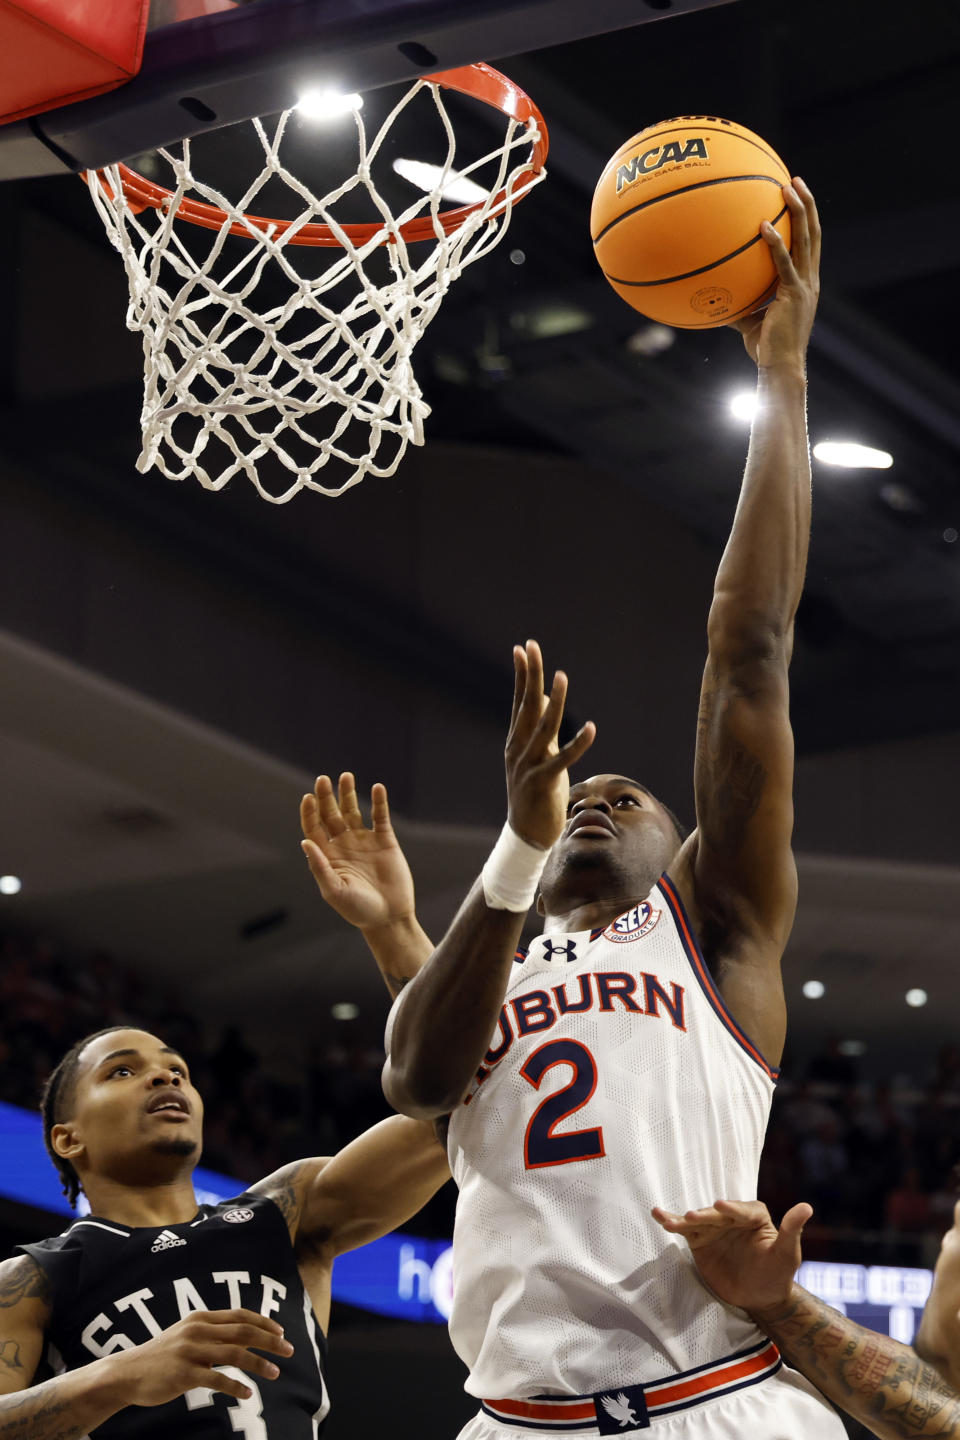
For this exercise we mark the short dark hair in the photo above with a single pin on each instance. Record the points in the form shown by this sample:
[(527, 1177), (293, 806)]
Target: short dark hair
[(56, 1099)]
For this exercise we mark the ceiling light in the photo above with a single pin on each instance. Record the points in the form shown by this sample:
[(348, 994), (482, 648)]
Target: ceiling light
[(327, 104), (813, 989), (10, 885), (743, 405), (901, 499), (916, 998), (427, 177), (651, 339), (854, 457), (345, 1010), (551, 318)]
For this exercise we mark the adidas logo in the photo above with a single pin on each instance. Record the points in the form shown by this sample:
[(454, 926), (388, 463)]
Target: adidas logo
[(166, 1240)]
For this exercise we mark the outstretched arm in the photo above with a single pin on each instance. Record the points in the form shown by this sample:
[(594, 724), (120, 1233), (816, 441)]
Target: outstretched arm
[(746, 1261), (371, 1186), (442, 1026), (738, 869), (363, 874)]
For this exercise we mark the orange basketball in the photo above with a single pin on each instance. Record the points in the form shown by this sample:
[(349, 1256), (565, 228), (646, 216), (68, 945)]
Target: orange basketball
[(676, 219)]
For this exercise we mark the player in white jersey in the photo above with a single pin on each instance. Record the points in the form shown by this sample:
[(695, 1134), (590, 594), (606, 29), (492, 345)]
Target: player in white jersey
[(634, 1046)]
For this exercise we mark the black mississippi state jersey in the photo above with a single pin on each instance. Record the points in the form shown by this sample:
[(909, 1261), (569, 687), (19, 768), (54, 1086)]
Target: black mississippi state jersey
[(114, 1287)]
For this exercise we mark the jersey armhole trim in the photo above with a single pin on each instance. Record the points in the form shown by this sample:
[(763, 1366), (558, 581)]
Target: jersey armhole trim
[(706, 981)]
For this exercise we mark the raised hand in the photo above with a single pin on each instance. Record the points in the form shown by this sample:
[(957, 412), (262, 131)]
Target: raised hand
[(361, 872), (538, 781), (739, 1252), (186, 1357), (780, 333)]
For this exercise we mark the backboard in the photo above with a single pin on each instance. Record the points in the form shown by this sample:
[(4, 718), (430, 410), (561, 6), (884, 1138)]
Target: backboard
[(209, 63)]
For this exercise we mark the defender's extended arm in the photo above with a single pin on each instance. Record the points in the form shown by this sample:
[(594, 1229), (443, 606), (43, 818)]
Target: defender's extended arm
[(747, 1262), (363, 874)]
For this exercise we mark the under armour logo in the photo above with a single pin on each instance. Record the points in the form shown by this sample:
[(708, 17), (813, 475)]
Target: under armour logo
[(550, 950)]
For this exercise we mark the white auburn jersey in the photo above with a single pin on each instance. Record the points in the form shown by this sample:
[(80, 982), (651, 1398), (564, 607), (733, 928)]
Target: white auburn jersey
[(616, 1080)]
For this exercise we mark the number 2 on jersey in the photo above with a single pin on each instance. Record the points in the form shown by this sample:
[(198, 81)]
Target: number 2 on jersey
[(541, 1146)]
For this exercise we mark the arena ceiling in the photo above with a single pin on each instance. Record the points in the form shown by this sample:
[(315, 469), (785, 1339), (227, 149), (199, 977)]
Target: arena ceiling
[(572, 487)]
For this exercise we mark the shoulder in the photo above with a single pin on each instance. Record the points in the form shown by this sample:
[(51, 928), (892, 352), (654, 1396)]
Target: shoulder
[(288, 1188), (24, 1282), (724, 928)]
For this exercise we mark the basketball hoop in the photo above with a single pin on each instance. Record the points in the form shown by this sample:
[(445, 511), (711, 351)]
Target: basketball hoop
[(232, 389)]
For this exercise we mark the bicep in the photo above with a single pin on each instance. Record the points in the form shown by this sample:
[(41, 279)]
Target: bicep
[(23, 1317), (21, 1348), (374, 1184)]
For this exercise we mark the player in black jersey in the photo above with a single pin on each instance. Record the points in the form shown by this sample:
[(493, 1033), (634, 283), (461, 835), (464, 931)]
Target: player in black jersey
[(170, 1319)]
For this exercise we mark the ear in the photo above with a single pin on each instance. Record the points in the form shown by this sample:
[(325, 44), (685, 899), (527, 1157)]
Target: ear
[(541, 908), (66, 1143)]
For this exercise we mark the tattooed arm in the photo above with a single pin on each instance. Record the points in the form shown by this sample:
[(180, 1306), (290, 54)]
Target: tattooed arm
[(71, 1405), (370, 1187), (363, 874), (737, 870), (878, 1381), (24, 1312), (62, 1409), (746, 1261)]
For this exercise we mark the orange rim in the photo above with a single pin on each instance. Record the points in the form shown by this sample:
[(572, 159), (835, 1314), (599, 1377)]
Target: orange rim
[(479, 80)]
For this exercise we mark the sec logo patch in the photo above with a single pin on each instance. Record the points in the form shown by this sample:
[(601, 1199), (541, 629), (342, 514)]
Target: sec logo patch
[(237, 1217), (633, 924)]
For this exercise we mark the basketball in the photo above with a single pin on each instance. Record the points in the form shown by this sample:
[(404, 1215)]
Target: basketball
[(676, 217)]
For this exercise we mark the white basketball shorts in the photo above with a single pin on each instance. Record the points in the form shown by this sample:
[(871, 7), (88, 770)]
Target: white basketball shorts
[(784, 1407)]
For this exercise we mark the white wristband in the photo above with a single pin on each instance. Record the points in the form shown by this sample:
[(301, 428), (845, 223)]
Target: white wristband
[(512, 873)]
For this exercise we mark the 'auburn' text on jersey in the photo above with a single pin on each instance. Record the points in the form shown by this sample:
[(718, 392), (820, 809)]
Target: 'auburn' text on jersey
[(616, 1080)]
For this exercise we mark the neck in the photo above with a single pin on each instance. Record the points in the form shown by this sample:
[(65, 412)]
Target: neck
[(170, 1202), (571, 916)]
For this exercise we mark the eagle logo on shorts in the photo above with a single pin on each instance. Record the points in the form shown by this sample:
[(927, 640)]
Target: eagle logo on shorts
[(619, 1408)]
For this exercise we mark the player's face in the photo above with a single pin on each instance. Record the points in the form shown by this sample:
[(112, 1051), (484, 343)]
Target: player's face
[(616, 829), (135, 1111)]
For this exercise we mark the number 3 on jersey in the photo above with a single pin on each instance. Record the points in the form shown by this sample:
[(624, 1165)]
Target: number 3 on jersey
[(246, 1416), (541, 1146)]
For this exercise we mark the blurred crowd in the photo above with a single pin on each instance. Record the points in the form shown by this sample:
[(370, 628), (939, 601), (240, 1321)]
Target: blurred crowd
[(254, 1121), (876, 1161)]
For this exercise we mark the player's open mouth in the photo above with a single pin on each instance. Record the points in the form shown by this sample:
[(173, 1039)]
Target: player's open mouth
[(592, 824), (170, 1104)]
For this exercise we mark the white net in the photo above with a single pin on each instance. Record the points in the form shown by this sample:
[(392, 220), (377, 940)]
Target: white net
[(320, 375)]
